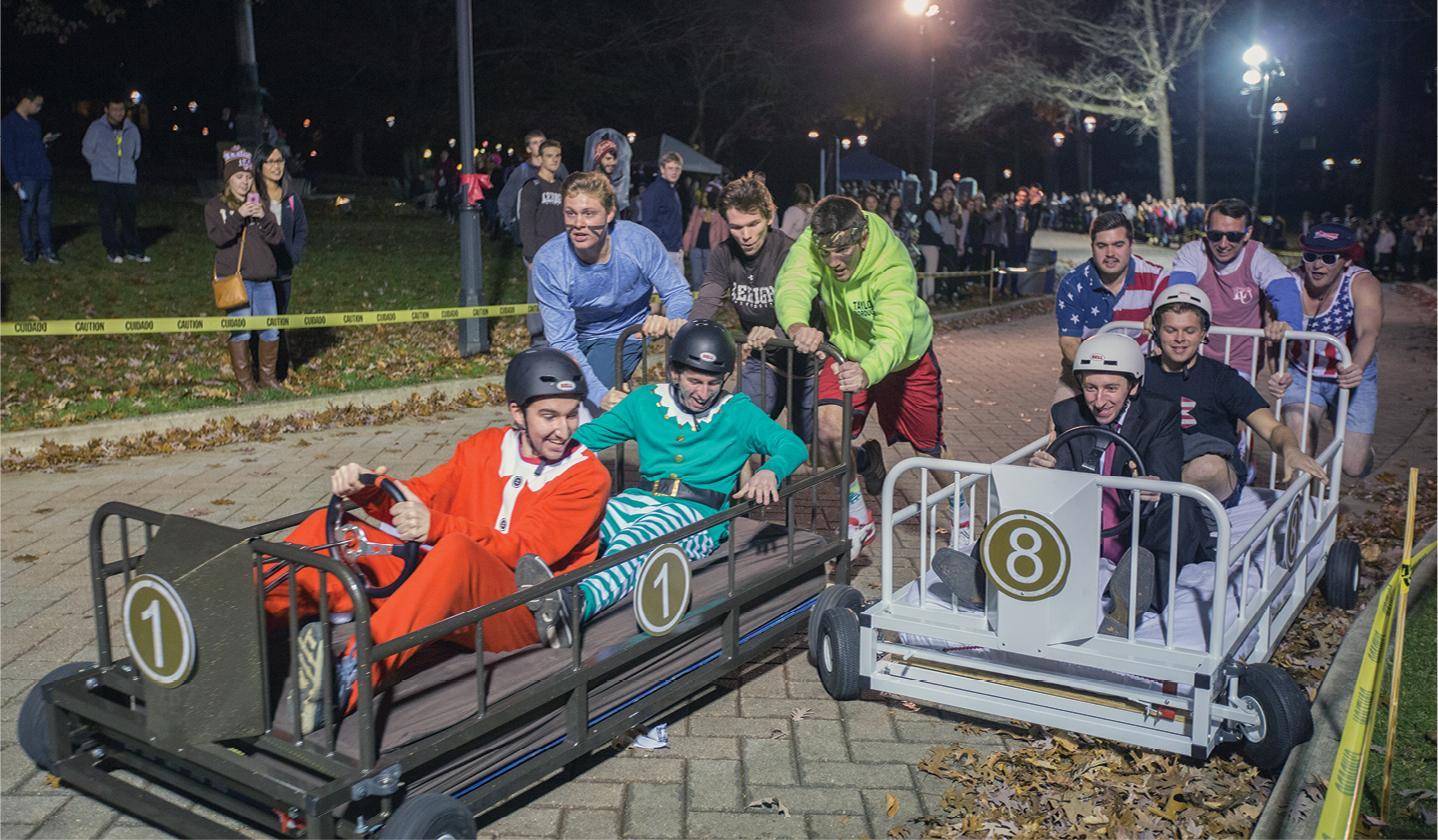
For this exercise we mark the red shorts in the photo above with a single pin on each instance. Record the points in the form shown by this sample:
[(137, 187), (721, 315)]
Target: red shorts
[(910, 403)]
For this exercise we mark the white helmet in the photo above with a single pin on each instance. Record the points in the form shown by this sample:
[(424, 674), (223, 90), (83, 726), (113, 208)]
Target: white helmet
[(1110, 353), (1184, 293)]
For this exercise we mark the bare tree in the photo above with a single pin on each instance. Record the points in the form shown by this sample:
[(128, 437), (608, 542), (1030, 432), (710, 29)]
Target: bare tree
[(1120, 64)]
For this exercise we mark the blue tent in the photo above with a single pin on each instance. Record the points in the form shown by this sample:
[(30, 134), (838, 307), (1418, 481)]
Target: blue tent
[(861, 165)]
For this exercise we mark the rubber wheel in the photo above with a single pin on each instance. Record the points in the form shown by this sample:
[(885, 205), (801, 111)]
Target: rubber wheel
[(834, 596), (429, 816), (32, 729), (1286, 719), (1340, 578), (839, 653)]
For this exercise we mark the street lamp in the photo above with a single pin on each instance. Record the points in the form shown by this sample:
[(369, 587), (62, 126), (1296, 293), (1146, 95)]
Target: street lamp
[(863, 140), (813, 135), (630, 136), (1262, 68), (923, 10), (1090, 123), (1278, 112), (823, 161), (846, 143), (1328, 164), (1059, 138)]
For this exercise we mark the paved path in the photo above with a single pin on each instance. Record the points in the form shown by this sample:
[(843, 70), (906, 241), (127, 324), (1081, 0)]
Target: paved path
[(833, 768)]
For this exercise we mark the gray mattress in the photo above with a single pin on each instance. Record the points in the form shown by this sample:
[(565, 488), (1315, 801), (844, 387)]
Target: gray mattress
[(438, 687)]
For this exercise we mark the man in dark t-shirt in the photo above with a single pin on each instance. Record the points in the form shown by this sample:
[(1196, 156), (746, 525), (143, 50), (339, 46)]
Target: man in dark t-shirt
[(743, 269), (1212, 399)]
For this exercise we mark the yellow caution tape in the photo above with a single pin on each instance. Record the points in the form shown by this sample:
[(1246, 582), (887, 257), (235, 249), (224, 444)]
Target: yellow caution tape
[(224, 323), (1345, 782)]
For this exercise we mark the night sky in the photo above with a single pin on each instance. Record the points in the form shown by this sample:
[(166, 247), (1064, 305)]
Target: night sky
[(347, 65)]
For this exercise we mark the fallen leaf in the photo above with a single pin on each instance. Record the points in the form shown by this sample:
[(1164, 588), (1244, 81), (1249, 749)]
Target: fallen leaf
[(772, 805), (25, 558), (221, 502), (891, 805), (43, 510), (777, 735), (801, 713)]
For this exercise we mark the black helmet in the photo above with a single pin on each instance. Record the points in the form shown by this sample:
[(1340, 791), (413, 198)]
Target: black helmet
[(541, 372), (703, 346)]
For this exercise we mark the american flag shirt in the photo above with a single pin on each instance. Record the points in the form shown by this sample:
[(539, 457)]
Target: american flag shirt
[(1083, 304), (1337, 321)]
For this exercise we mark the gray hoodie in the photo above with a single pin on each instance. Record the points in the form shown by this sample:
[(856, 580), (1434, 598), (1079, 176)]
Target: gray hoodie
[(111, 151)]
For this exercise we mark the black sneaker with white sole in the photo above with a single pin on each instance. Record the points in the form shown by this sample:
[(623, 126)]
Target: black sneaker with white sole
[(551, 612), (962, 574), (874, 469)]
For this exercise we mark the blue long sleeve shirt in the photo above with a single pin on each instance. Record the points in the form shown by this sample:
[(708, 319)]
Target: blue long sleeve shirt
[(661, 213), (22, 149), (578, 301)]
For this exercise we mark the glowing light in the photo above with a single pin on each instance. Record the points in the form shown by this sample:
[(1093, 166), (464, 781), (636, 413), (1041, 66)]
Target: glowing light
[(1059, 138), (306, 122), (135, 97), (957, 176), (1255, 55), (193, 106), (452, 142), (915, 8), (427, 154), (314, 153), (1090, 123), (174, 126), (389, 120), (1278, 112), (846, 143), (813, 135), (1355, 162), (631, 136), (1008, 173), (933, 10), (341, 200), (1328, 164), (205, 132), (1252, 77), (863, 139)]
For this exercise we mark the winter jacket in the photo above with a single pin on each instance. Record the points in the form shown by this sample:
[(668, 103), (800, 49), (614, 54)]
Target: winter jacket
[(718, 230), (296, 228), (661, 213), (224, 227), (111, 151), (22, 147)]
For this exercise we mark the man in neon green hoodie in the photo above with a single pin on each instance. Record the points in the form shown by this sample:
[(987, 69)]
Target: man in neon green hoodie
[(862, 274)]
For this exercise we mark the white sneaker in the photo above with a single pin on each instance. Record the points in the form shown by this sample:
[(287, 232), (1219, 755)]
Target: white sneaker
[(861, 534)]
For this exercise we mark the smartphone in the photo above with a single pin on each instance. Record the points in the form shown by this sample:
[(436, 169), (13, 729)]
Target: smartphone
[(253, 198)]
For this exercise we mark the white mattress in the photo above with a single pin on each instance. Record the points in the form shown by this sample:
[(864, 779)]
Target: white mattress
[(1193, 594)]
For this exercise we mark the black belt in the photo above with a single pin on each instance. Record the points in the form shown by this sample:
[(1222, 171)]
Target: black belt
[(676, 489)]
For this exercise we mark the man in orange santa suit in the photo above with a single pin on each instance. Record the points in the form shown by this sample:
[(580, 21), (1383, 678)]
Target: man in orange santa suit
[(497, 499)]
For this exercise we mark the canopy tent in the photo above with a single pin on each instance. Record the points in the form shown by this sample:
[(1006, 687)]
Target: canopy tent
[(862, 165), (648, 151)]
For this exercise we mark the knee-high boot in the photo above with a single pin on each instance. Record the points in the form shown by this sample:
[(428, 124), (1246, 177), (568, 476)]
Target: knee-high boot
[(269, 353), (240, 361)]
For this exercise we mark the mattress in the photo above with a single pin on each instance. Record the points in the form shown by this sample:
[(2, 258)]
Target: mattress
[(1192, 604)]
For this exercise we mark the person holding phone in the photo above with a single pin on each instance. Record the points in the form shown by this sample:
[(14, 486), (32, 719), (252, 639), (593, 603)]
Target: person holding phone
[(229, 219)]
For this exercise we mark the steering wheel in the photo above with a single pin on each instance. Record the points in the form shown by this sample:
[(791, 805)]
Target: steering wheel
[(1145, 508), (352, 544)]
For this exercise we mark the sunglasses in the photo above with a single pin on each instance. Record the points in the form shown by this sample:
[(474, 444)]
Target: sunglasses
[(1328, 259), (1234, 236)]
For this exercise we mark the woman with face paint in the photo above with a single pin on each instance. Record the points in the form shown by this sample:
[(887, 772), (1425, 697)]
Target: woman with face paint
[(595, 283)]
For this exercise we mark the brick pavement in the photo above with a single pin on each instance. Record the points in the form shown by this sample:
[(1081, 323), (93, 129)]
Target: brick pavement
[(771, 733)]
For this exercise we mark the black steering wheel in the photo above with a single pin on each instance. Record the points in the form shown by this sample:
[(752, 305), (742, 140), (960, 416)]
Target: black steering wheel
[(1119, 440), (350, 542)]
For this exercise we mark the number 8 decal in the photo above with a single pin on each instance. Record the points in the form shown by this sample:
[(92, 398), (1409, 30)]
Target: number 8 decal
[(1025, 555)]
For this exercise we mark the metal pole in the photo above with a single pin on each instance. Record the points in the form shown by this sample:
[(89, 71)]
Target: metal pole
[(838, 187), (247, 120), (474, 332), (1258, 152), (823, 169), (928, 179)]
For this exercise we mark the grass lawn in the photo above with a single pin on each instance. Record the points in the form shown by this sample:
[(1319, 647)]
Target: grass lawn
[(1415, 756), (377, 256)]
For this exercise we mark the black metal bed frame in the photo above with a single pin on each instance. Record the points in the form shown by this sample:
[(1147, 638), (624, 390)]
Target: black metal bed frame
[(97, 718)]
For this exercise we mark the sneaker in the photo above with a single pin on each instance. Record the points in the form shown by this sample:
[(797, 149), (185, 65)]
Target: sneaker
[(139, 258), (115, 258), (30, 259), (861, 534), (311, 660), (51, 258), (874, 470), (1115, 622), (551, 612), (962, 574)]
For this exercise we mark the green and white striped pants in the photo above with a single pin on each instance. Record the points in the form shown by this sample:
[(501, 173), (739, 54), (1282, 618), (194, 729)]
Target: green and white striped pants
[(635, 517)]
